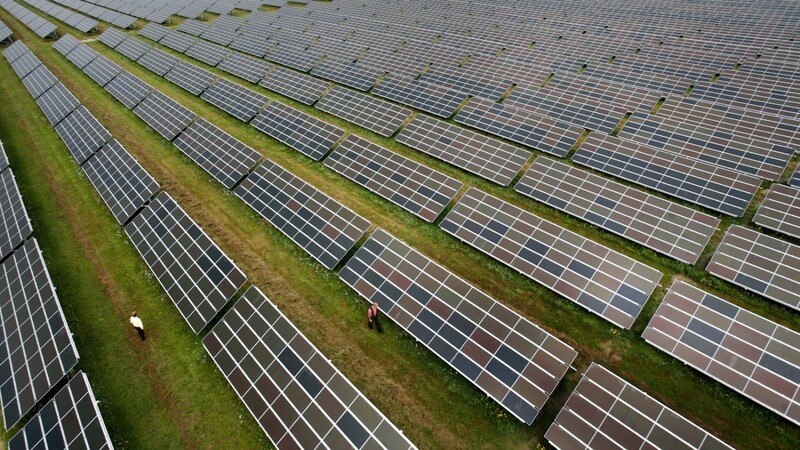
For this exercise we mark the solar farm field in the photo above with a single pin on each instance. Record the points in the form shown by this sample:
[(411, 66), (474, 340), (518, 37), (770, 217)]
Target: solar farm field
[(579, 222)]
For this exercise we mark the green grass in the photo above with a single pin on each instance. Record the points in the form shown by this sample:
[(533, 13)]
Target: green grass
[(176, 396)]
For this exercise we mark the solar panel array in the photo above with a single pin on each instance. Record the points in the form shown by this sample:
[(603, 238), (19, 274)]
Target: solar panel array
[(245, 67), (656, 223), (198, 277), (795, 180), (190, 77), (323, 227), (57, 103), (163, 114), (437, 100), (300, 131), (41, 27), (122, 182), (128, 89), (295, 85), (36, 349), (759, 263), (15, 225), (221, 155), (5, 32), (714, 187), (102, 70), (157, 61), (486, 157), (414, 187), (71, 419), (604, 282), (297, 396), (744, 351), (515, 362), (234, 99), (371, 113), (605, 411), (780, 210), (82, 133)]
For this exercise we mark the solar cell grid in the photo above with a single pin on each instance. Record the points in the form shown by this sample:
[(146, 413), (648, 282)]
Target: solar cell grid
[(795, 180), (605, 411), (221, 155), (66, 44), (236, 100), (128, 89), (190, 77), (57, 103), (211, 54), (197, 276), (628, 97), (294, 57), (219, 36), (112, 37), (5, 33), (659, 83), (414, 187), (720, 148), (518, 125), (320, 225), (295, 85), (252, 44), (595, 277), (132, 48), (102, 70), (245, 67), (348, 73), (658, 224), (166, 116), (759, 263), (15, 225), (120, 180), (371, 113), (437, 100), (300, 131), (300, 399), (486, 157), (25, 64), (36, 349), (780, 210), (82, 133), (39, 81), (82, 55), (476, 85), (746, 352), (178, 41), (157, 61), (3, 158), (193, 27), (704, 184), (154, 31), (14, 51), (512, 360), (71, 419)]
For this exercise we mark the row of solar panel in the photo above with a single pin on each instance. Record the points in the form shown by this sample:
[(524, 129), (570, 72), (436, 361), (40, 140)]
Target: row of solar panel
[(100, 12), (76, 20), (5, 33), (36, 346), (37, 24)]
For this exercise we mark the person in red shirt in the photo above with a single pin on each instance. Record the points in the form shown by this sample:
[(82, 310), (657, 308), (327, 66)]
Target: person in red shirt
[(372, 317)]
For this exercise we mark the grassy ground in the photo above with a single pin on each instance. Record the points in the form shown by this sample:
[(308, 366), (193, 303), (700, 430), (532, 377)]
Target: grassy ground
[(168, 394)]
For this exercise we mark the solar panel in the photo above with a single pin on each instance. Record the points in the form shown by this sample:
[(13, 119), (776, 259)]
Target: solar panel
[(298, 397), (795, 180), (5, 32), (521, 126), (3, 158), (157, 61), (720, 148), (236, 100), (414, 187), (25, 64), (744, 351), (486, 157), (71, 419), (211, 54), (36, 349), (82, 55), (656, 223), (195, 273), (14, 51), (66, 44), (351, 74), (320, 225), (154, 31), (132, 48), (190, 77), (437, 100), (599, 279), (245, 67), (166, 116), (605, 411), (193, 27), (218, 153), (15, 225), (622, 95), (82, 133), (178, 41), (57, 103), (716, 188), (128, 89), (295, 85), (300, 131), (780, 210), (102, 70), (39, 81), (490, 87), (112, 37), (371, 113), (759, 263), (121, 181), (516, 363)]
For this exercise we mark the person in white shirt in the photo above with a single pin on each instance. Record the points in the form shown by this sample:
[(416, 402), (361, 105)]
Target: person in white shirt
[(137, 323)]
